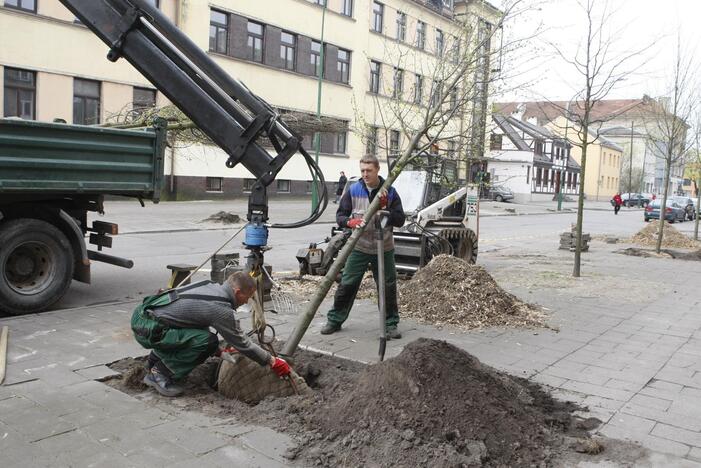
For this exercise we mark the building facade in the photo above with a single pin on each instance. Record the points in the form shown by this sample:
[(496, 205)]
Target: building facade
[(52, 67)]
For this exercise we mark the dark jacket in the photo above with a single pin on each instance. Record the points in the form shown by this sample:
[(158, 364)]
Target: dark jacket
[(342, 181), (356, 201)]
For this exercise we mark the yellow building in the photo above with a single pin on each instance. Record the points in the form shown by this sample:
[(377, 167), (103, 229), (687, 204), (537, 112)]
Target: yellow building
[(51, 66), (603, 170)]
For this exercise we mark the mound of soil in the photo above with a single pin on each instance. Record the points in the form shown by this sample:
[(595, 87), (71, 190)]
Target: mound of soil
[(433, 405), (664, 253), (223, 217), (647, 236), (451, 291)]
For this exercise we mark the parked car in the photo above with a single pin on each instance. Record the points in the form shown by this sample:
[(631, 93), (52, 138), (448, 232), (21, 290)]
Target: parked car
[(673, 213), (635, 199), (688, 204), (500, 193)]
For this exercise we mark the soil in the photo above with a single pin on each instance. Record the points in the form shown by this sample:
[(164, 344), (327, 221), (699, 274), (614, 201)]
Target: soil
[(664, 253), (433, 405), (223, 217), (450, 291), (671, 237)]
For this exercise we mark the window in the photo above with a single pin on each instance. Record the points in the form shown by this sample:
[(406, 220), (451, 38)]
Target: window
[(214, 184), (255, 41), (320, 2), (26, 5), (315, 58), (343, 65), (347, 8), (375, 77), (401, 26), (436, 94), (420, 34), (218, 31), (248, 184), (144, 98), (19, 94), (371, 147), (378, 11), (453, 98), (341, 142), (439, 43), (283, 186), (418, 88), (455, 50), (86, 102), (495, 142), (398, 83), (288, 42), (394, 138), (451, 149)]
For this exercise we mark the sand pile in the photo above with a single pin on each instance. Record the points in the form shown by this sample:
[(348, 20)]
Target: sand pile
[(451, 291), (671, 237)]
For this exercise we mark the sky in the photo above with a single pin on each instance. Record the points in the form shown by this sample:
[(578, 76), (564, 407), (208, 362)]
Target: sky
[(633, 25)]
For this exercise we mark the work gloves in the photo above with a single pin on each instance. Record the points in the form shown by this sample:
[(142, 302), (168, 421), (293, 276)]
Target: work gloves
[(280, 367), (383, 200), (355, 223)]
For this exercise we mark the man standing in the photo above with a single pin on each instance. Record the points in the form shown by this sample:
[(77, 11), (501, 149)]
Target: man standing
[(617, 202), (350, 214), (175, 326), (342, 181)]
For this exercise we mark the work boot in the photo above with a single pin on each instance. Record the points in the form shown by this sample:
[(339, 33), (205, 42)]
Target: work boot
[(162, 383), (329, 328), (392, 333)]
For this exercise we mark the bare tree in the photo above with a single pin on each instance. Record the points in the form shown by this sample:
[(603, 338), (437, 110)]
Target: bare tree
[(601, 69), (669, 123), (447, 105)]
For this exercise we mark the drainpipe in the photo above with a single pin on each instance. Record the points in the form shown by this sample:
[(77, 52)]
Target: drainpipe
[(598, 176)]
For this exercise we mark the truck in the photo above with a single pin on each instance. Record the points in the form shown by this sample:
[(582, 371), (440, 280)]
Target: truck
[(51, 176)]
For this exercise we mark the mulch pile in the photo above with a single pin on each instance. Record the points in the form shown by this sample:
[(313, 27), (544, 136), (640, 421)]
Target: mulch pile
[(304, 288), (671, 237), (433, 405), (450, 291)]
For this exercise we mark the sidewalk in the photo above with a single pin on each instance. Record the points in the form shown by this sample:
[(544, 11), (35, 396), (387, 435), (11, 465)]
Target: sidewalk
[(631, 355)]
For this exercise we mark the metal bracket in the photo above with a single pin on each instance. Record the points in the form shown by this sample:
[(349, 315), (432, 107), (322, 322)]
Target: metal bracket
[(126, 24)]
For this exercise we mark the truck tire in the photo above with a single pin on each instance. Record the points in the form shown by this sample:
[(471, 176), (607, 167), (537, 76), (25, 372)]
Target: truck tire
[(467, 249), (36, 266)]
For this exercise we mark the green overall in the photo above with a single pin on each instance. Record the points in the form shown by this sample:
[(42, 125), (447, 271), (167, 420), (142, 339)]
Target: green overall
[(179, 349)]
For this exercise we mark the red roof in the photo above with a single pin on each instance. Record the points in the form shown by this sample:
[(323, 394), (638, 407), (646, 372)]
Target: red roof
[(547, 111)]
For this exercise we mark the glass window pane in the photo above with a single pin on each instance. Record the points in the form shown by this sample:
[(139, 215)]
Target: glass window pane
[(86, 88), (92, 111), (78, 111), (12, 3), (287, 38), (10, 103), (28, 4), (26, 103), (218, 17), (221, 40), (255, 28), (212, 37)]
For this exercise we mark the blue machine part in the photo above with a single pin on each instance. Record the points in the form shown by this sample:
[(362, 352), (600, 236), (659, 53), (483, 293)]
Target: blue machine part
[(256, 235)]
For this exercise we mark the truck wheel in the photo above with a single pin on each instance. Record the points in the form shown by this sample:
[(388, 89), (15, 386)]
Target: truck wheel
[(467, 249), (36, 266)]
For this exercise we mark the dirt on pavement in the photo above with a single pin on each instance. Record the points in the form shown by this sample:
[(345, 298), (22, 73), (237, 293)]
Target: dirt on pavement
[(450, 291), (434, 404), (647, 236)]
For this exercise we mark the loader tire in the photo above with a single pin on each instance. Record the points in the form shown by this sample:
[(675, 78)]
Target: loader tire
[(467, 249), (36, 266)]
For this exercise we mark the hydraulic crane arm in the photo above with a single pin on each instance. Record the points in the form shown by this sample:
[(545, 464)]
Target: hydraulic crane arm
[(221, 106)]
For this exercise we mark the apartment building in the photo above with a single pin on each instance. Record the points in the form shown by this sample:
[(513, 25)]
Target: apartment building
[(52, 67)]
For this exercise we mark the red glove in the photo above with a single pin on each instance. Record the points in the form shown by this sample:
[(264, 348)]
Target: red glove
[(355, 223), (280, 367), (383, 200)]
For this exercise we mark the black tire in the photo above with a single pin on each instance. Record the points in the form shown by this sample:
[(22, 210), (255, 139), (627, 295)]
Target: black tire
[(36, 266), (499, 198), (467, 248)]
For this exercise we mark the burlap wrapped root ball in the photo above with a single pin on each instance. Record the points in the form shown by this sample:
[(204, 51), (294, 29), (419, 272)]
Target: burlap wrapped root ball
[(248, 381)]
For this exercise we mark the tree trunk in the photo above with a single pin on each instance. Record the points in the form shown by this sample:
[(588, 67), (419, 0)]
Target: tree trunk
[(698, 209), (577, 270), (663, 203)]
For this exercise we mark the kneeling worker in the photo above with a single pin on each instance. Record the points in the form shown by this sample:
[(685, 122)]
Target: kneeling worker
[(351, 209), (175, 326)]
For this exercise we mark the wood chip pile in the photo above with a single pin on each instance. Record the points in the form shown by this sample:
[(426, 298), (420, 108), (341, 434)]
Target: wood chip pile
[(307, 286), (671, 238), (450, 291)]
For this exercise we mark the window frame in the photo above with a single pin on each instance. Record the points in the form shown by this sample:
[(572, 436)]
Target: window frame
[(256, 38), (440, 42), (420, 35), (395, 139), (343, 66), (208, 186), (248, 185), (315, 59), (17, 88), (341, 136), (218, 26), (378, 16), (286, 48), (134, 100), (401, 26), (347, 8), (280, 182), (375, 76), (20, 7), (372, 140), (418, 88), (398, 83), (86, 99)]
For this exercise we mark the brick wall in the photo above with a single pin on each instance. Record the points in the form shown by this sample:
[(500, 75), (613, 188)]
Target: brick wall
[(194, 188)]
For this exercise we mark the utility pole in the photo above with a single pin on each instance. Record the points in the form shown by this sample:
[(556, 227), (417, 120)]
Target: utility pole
[(630, 169), (317, 135)]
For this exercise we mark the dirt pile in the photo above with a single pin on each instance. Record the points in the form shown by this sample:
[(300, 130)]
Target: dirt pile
[(671, 238), (307, 286), (223, 217), (451, 291)]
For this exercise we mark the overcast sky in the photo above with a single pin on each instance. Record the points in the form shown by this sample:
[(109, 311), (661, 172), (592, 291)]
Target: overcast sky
[(635, 24)]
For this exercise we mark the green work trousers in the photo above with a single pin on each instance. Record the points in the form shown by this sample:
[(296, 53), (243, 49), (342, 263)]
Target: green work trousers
[(179, 349), (353, 272)]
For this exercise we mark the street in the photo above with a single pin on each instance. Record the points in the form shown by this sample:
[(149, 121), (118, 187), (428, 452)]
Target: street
[(169, 233)]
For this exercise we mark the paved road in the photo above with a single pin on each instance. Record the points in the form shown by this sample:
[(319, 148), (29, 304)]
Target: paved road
[(156, 236)]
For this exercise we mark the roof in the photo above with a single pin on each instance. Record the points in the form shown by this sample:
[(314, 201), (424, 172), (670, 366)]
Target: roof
[(603, 141), (547, 111), (620, 131)]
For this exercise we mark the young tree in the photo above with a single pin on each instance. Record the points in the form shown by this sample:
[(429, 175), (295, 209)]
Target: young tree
[(601, 69), (447, 106), (669, 122)]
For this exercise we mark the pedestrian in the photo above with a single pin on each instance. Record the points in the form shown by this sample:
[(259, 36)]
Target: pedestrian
[(175, 324), (340, 185), (617, 202), (350, 213)]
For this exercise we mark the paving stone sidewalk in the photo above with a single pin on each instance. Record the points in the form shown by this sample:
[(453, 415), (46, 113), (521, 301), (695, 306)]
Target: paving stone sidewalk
[(633, 356)]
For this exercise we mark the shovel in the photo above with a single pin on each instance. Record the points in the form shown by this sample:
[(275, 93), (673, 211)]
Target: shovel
[(380, 223)]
